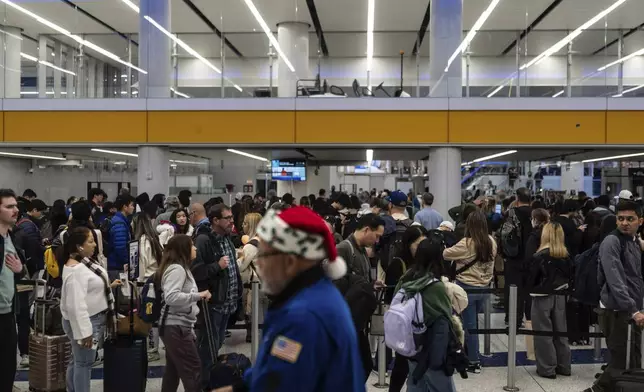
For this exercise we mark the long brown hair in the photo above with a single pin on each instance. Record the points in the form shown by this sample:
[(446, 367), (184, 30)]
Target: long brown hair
[(476, 231), (552, 238), (177, 251)]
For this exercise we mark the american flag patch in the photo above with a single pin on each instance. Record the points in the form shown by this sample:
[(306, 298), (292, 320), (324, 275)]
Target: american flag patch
[(286, 349)]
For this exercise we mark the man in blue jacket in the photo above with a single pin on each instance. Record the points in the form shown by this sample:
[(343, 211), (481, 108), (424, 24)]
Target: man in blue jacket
[(120, 236), (309, 339)]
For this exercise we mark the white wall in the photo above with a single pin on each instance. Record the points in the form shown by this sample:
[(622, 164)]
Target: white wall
[(14, 173), (484, 71)]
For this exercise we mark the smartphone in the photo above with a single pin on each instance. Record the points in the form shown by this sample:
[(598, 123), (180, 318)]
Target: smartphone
[(497, 208)]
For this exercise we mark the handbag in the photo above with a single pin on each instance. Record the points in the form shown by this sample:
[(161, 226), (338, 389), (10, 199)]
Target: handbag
[(377, 324), (141, 328)]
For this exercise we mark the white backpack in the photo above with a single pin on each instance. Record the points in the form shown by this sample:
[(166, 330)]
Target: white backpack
[(404, 323)]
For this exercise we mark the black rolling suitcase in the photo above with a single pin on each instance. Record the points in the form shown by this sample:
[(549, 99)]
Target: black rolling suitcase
[(125, 366), (631, 380)]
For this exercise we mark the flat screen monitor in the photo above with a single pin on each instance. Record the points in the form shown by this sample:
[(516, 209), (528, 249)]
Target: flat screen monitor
[(288, 170)]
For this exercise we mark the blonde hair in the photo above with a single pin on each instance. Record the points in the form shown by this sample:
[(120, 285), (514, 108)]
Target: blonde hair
[(552, 238), (253, 220)]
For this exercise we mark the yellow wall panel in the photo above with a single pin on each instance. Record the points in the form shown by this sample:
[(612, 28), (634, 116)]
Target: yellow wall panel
[(75, 127), (527, 127), (221, 127), (371, 127), (624, 127)]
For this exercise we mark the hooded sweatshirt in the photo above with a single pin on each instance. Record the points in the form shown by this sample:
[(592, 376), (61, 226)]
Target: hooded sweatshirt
[(436, 302)]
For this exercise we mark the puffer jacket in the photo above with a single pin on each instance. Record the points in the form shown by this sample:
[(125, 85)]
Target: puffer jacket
[(28, 238), (120, 236), (167, 231)]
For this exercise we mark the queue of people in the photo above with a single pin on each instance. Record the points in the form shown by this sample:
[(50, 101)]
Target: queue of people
[(324, 267)]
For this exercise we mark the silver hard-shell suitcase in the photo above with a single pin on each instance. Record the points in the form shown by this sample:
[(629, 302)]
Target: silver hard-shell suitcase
[(48, 355)]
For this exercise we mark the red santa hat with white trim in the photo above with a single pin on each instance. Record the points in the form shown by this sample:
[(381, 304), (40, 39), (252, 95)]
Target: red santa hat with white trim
[(302, 232)]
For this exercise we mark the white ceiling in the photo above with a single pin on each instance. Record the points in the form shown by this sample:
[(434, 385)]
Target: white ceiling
[(344, 23)]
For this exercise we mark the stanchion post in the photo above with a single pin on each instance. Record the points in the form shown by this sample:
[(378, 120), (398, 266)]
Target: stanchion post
[(382, 364), (487, 321), (597, 343), (512, 341), (254, 315)]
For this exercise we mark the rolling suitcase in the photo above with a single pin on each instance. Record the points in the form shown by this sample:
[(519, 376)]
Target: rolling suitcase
[(49, 355), (631, 380), (125, 367)]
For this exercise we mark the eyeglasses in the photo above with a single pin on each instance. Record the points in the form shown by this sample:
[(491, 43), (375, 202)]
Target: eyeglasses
[(229, 217), (629, 219)]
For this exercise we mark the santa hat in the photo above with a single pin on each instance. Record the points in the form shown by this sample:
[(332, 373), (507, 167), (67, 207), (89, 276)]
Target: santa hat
[(302, 232)]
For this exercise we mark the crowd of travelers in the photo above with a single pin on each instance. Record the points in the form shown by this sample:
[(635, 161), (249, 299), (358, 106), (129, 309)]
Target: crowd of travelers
[(330, 266)]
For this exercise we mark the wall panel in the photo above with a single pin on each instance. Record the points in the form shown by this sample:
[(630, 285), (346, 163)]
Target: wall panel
[(361, 127), (625, 127), (75, 127), (527, 127), (221, 127)]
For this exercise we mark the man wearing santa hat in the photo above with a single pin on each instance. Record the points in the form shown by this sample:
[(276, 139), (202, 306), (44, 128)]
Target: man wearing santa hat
[(309, 341)]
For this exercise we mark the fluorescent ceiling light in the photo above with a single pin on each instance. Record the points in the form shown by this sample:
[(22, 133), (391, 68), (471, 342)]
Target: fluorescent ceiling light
[(188, 162), (371, 10), (75, 37), (501, 154), (613, 157), (269, 34), (558, 94), (369, 155), (247, 155), (630, 90), (623, 59), (618, 95), (179, 93), (45, 63), (470, 34), (13, 154), (36, 93), (127, 154), (11, 35), (565, 41), (131, 5), (496, 90)]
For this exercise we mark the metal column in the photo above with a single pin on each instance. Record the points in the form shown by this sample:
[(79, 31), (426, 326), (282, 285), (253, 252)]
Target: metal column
[(69, 65), (418, 66), (518, 61), (512, 341), (42, 69), (620, 66), (468, 63), (80, 73), (100, 79), (222, 53), (487, 324), (128, 70), (569, 71), (175, 66), (58, 75), (271, 62), (91, 77)]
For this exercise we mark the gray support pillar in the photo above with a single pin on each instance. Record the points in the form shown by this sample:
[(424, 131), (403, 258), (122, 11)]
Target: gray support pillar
[(100, 79), (58, 75), (81, 77), (42, 69), (11, 41), (444, 175), (153, 173), (91, 77), (569, 71), (518, 61), (445, 36), (154, 50), (69, 65), (620, 66), (293, 38), (128, 70)]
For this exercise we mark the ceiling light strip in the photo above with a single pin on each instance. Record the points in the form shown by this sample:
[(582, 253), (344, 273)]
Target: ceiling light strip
[(623, 59), (371, 11), (566, 40), (130, 4), (558, 94), (66, 32), (247, 155), (269, 34), (179, 93), (12, 154), (613, 157), (127, 154), (630, 90), (501, 154), (46, 63), (470, 34)]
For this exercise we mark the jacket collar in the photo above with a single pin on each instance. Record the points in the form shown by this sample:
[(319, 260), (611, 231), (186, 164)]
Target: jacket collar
[(300, 282)]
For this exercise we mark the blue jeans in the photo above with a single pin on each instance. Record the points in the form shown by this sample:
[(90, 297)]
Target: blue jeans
[(219, 323), (476, 302), (79, 371), (432, 381)]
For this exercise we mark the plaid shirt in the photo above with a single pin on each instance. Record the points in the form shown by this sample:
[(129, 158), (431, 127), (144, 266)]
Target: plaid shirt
[(228, 249)]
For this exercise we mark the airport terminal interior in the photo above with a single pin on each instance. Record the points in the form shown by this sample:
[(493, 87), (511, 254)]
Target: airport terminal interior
[(460, 98)]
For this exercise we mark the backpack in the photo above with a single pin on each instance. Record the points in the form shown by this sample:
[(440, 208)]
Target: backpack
[(104, 228), (405, 323), (51, 264), (587, 289), (392, 247), (511, 235), (360, 297), (150, 301)]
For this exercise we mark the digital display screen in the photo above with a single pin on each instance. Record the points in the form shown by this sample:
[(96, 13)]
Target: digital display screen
[(288, 170)]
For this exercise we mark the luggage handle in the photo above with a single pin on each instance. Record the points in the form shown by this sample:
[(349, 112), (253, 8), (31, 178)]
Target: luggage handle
[(209, 335), (629, 339), (41, 301)]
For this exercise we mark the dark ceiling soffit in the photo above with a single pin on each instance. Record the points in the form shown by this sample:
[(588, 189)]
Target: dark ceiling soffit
[(534, 24), (616, 40), (318, 27), (212, 27), (422, 30), (95, 19)]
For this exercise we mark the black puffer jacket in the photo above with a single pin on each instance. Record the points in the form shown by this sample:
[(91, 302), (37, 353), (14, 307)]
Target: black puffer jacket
[(548, 273)]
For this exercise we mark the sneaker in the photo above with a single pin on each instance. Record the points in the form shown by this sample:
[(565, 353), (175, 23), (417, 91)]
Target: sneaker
[(474, 368), (228, 334), (24, 361), (154, 356)]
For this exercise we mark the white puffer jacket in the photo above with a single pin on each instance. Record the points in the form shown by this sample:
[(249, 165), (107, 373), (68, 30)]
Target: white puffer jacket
[(166, 231)]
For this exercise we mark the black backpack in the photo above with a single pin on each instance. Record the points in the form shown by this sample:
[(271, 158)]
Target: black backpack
[(360, 297), (511, 235), (392, 245), (586, 286)]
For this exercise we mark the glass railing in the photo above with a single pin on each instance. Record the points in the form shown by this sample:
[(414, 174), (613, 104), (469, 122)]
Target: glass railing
[(253, 48)]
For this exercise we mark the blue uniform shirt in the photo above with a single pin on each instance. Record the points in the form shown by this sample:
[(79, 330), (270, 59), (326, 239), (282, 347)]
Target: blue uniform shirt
[(309, 341)]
